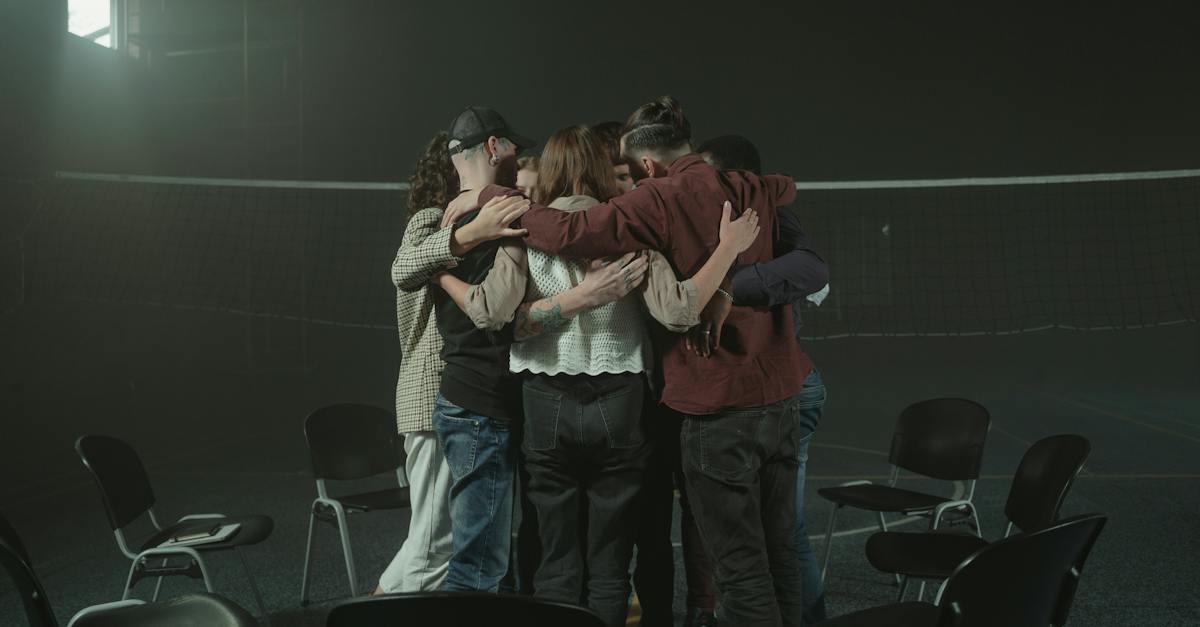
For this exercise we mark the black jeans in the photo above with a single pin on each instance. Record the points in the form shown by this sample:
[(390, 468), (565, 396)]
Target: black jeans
[(584, 440), (740, 466), (654, 575)]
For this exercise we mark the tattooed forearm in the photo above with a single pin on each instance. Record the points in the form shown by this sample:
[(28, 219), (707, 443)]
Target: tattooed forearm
[(539, 317), (550, 319)]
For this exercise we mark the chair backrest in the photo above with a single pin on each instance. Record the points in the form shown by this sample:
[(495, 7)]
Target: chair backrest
[(452, 609), (124, 485), (352, 441), (15, 560), (1025, 580), (1045, 474), (941, 438)]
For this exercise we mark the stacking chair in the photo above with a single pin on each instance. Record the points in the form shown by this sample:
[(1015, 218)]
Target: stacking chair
[(1039, 487), (204, 609), (940, 438), (348, 442), (1026, 580), (454, 609), (125, 490)]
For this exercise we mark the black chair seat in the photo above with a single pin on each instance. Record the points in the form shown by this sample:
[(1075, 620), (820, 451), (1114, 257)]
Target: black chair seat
[(922, 555), (895, 615), (881, 498), (208, 610), (392, 498), (254, 529)]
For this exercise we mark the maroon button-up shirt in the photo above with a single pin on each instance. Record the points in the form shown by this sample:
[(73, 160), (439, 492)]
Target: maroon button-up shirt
[(759, 361)]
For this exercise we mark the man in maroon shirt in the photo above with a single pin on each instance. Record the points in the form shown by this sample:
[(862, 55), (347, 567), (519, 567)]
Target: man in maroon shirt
[(741, 425)]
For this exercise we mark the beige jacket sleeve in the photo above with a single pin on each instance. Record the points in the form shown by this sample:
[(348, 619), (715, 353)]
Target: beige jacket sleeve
[(493, 303), (670, 301)]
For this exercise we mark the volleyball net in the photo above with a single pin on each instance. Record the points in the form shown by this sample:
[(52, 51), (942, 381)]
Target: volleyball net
[(907, 258)]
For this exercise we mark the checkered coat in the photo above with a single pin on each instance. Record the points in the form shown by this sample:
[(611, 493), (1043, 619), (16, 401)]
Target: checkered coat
[(424, 252)]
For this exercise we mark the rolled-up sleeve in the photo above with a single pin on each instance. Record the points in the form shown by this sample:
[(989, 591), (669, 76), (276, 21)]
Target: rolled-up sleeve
[(673, 303), (493, 302)]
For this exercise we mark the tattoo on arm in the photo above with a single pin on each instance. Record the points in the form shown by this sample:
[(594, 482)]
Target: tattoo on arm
[(532, 320)]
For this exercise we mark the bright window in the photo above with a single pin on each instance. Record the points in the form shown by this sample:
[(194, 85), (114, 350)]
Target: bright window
[(91, 20)]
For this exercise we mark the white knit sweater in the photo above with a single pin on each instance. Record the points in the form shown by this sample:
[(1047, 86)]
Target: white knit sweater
[(611, 338)]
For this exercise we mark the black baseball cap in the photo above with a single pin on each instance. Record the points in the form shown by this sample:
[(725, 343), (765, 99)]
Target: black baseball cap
[(476, 124)]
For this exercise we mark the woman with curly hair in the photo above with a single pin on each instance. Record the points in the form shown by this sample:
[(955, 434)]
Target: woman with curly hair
[(434, 181)]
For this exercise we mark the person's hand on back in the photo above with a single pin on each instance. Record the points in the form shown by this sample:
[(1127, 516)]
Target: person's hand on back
[(736, 236), (465, 202), (492, 223), (607, 281), (741, 233)]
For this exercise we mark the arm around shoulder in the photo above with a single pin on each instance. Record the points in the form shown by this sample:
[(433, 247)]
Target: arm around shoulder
[(425, 251)]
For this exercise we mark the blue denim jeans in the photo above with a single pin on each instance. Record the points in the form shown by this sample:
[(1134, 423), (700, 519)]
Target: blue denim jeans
[(810, 401), (481, 466)]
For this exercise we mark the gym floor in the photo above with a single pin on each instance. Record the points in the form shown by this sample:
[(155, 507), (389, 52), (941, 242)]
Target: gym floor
[(217, 437)]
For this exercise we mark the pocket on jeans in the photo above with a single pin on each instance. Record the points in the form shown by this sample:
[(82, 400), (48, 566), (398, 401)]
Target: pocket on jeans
[(621, 411), (727, 444), (542, 408), (458, 430)]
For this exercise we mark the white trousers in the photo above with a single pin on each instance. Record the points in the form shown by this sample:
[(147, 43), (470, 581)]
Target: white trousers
[(420, 564)]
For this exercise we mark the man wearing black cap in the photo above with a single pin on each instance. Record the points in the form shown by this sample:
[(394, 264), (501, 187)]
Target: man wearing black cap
[(479, 400)]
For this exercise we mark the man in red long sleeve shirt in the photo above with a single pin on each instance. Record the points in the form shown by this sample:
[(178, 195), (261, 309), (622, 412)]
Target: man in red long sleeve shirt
[(741, 424)]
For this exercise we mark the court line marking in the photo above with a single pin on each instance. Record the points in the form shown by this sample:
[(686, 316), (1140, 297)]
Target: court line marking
[(1113, 414), (1012, 435), (1117, 406), (854, 449)]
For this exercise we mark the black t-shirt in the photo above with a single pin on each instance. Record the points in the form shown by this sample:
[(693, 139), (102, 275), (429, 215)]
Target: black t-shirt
[(476, 376)]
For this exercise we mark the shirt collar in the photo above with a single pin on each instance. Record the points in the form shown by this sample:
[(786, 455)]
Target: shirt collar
[(685, 162)]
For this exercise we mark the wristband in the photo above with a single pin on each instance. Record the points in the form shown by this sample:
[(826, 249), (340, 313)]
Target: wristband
[(725, 294)]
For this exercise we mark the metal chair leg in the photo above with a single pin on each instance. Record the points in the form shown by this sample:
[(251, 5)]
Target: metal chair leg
[(833, 512), (903, 589), (204, 573), (312, 519), (921, 592), (344, 532), (158, 584), (883, 527), (262, 608), (129, 580), (978, 525)]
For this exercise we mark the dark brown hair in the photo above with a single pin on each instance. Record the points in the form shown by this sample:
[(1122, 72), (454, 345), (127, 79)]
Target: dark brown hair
[(574, 162), (609, 134), (732, 152), (658, 125), (434, 180), (664, 110)]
